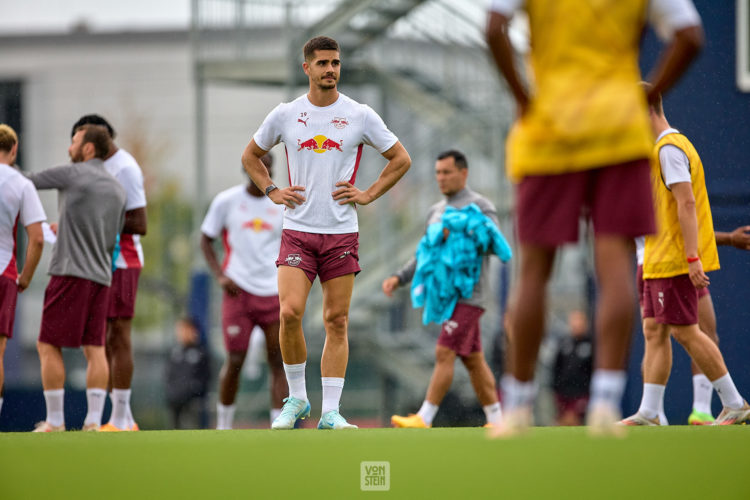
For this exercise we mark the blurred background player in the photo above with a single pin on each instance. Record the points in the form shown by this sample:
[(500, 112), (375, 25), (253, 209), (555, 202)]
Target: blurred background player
[(320, 235), (572, 370), (19, 203), (121, 309), (250, 227), (582, 142), (675, 262), (92, 212), (188, 376), (701, 413), (461, 335)]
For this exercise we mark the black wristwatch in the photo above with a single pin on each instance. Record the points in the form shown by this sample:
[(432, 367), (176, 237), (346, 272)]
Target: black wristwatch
[(271, 188)]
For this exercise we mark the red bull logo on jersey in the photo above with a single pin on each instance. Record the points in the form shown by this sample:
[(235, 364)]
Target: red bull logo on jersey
[(319, 144), (258, 225)]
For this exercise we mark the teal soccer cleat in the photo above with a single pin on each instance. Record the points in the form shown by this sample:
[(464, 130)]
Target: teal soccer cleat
[(334, 420), (294, 409)]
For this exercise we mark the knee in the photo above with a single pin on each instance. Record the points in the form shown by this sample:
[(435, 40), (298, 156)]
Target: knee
[(654, 335), (289, 314), (336, 323), (444, 356)]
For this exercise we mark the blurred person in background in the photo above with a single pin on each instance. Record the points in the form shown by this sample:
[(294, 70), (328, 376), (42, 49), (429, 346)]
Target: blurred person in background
[(19, 203), (91, 204), (122, 295), (572, 370), (187, 378), (460, 336), (581, 146), (250, 226), (324, 132)]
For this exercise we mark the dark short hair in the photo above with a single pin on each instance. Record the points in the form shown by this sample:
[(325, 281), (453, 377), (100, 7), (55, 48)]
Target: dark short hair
[(319, 43), (657, 104), (267, 160), (92, 120), (457, 156), (99, 137)]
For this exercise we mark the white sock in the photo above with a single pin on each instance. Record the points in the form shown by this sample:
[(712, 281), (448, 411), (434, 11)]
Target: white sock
[(702, 392), (332, 388), (493, 413), (518, 393), (662, 416), (728, 393), (120, 408), (95, 399), (224, 416), (55, 409), (295, 378), (652, 400), (607, 387), (427, 412), (275, 412)]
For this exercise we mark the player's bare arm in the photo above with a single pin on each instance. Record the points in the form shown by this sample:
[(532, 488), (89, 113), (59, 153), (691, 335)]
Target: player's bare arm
[(675, 59), (399, 162), (739, 238), (683, 194), (289, 196), (33, 254), (503, 55), (225, 282), (135, 221)]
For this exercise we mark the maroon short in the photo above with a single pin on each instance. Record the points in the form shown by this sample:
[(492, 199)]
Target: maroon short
[(671, 301), (639, 285), (461, 334), (8, 299), (122, 293), (616, 198), (240, 314), (74, 312), (574, 404), (326, 255)]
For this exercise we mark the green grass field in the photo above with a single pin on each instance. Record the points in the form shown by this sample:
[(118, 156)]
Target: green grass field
[(671, 462)]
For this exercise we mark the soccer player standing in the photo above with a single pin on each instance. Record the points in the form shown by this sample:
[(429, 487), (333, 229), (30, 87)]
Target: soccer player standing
[(324, 132), (121, 308), (582, 144), (250, 227), (19, 203), (92, 212), (675, 263)]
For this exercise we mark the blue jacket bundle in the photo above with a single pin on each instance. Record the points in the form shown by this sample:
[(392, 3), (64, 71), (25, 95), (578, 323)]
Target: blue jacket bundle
[(449, 268)]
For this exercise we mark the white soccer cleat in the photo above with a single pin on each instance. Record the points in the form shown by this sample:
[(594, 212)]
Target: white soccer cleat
[(294, 409), (334, 420)]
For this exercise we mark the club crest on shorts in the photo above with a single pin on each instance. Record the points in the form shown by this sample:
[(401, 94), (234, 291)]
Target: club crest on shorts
[(293, 259)]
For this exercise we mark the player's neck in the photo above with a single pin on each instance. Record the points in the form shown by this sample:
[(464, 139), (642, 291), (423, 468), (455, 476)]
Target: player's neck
[(114, 149), (322, 97)]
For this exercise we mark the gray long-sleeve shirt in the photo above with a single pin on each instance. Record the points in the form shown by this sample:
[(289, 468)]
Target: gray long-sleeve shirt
[(458, 200), (91, 206)]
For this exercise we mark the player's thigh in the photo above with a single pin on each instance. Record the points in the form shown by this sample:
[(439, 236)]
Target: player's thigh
[(337, 295), (294, 288)]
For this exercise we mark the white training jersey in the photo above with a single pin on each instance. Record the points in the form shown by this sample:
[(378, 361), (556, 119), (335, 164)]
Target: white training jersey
[(323, 146), (125, 169), (250, 227), (19, 203)]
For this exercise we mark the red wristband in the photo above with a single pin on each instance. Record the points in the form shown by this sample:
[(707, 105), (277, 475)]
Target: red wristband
[(693, 259)]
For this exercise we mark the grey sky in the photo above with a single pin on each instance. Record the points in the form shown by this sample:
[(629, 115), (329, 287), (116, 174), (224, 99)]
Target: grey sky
[(57, 15)]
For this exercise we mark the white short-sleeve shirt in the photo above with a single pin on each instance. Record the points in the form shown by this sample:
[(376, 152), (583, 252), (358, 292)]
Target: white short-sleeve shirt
[(323, 146), (19, 203), (250, 228), (126, 170)]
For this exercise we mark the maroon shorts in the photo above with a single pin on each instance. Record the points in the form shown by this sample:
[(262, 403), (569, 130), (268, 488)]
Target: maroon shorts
[(326, 255), (240, 314), (461, 334), (702, 292), (671, 301), (122, 293), (616, 198), (8, 299), (577, 405), (74, 312)]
